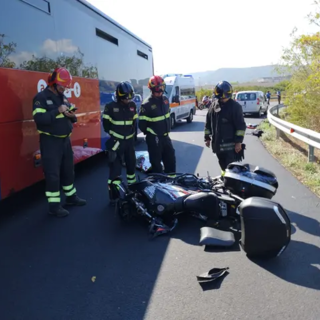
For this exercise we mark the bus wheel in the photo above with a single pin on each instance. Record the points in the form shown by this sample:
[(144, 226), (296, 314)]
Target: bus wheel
[(173, 121), (190, 118)]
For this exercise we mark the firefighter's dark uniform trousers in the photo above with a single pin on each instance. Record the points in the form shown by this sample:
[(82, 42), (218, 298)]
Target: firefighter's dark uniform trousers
[(225, 158), (57, 162), (126, 151), (55, 145), (154, 122), (225, 126), (160, 148), (119, 120)]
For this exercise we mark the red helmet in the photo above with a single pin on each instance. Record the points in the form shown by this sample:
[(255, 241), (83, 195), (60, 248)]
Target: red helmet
[(49, 78), (60, 76), (156, 84)]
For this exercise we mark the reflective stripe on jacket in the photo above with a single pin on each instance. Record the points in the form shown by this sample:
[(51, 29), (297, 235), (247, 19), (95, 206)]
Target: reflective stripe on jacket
[(119, 120), (154, 116), (47, 117), (226, 127)]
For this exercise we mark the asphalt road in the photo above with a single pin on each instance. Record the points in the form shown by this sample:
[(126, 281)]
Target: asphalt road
[(47, 264)]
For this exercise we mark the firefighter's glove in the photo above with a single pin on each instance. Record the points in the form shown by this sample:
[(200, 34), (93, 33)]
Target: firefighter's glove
[(240, 155), (112, 156), (112, 144)]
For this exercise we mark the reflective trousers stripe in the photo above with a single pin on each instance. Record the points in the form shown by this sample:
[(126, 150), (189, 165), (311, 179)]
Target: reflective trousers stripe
[(131, 178), (69, 190), (53, 197), (114, 183)]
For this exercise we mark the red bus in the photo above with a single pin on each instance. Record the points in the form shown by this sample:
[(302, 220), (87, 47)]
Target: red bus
[(37, 36)]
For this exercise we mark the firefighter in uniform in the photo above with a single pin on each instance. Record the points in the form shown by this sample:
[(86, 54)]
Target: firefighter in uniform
[(225, 126), (54, 117), (155, 123), (120, 122)]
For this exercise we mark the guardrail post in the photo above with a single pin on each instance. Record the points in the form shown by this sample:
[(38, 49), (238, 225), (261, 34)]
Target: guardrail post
[(278, 133), (311, 154)]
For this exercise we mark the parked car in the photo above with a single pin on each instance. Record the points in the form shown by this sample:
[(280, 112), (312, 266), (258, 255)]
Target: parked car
[(252, 102)]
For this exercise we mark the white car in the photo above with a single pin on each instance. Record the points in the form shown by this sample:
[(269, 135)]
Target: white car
[(252, 102)]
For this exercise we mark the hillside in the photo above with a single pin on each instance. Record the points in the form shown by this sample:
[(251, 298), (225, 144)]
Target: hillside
[(234, 75)]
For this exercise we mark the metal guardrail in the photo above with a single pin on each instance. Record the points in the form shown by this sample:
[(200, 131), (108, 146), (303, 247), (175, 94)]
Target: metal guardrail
[(311, 138)]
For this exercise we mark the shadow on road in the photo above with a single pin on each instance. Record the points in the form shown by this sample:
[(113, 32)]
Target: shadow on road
[(304, 223), (187, 155), (88, 265), (296, 265), (85, 266), (298, 262), (194, 126)]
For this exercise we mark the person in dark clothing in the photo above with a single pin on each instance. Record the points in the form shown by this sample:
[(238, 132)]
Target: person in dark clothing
[(119, 121), (154, 122), (279, 96), (268, 96), (225, 126), (54, 117)]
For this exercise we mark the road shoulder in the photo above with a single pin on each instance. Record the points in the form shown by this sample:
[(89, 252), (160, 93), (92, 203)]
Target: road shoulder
[(293, 155)]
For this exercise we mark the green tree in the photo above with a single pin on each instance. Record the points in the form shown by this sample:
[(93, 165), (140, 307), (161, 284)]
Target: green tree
[(302, 60), (5, 51), (73, 63)]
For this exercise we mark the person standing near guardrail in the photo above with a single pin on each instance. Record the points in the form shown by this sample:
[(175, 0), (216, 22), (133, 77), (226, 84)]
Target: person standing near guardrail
[(225, 126), (268, 96), (279, 96)]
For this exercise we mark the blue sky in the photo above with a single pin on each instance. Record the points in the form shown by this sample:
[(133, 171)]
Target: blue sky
[(211, 34)]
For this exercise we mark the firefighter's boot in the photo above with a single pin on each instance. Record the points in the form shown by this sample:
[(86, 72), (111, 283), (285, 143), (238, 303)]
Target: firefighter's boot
[(58, 211), (113, 194), (74, 200)]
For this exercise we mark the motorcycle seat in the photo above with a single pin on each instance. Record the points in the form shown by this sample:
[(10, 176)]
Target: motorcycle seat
[(217, 238)]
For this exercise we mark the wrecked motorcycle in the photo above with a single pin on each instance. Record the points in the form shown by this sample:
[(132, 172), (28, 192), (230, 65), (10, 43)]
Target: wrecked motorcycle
[(160, 199)]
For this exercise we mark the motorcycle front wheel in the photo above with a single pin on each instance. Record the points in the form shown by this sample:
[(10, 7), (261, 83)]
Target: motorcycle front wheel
[(125, 210)]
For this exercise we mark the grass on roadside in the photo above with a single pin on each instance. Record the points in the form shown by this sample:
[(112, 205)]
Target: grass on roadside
[(293, 155)]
